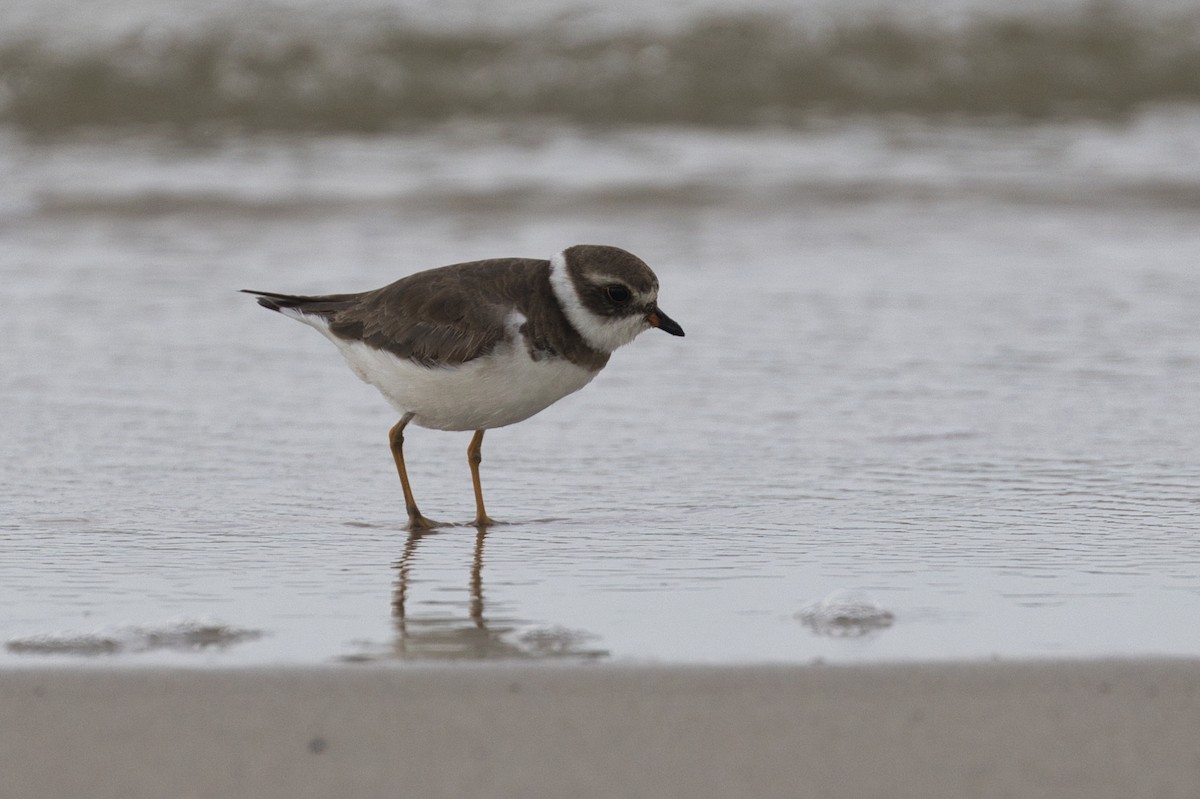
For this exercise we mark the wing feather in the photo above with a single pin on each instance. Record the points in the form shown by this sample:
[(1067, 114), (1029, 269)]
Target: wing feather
[(440, 317)]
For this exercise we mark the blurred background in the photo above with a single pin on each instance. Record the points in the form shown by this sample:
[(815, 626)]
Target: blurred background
[(936, 261)]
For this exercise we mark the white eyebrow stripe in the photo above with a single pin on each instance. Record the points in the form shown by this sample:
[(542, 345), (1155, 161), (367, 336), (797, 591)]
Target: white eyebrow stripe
[(639, 296)]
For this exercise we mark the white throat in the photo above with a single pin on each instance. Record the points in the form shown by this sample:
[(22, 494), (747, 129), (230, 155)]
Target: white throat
[(602, 333)]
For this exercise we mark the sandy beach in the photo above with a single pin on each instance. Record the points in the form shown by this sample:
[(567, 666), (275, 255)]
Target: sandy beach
[(1053, 729), (936, 263)]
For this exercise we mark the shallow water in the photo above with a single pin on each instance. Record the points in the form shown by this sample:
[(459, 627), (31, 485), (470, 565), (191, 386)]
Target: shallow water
[(952, 369), (936, 263)]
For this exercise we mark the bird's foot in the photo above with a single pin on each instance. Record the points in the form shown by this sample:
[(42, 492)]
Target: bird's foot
[(483, 522), (417, 523)]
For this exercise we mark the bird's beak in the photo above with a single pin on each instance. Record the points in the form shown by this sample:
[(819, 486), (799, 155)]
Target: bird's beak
[(658, 319)]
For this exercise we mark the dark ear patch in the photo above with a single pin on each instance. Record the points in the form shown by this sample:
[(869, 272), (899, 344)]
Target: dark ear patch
[(595, 298), (608, 266)]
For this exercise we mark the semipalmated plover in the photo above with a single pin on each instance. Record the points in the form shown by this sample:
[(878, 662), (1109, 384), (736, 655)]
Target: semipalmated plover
[(485, 344)]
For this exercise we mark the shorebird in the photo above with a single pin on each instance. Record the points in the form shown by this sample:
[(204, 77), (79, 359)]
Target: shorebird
[(485, 344)]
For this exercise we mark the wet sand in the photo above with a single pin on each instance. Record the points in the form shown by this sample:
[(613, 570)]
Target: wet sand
[(1054, 729)]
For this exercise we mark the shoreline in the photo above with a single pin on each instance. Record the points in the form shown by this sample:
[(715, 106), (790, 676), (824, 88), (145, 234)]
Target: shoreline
[(1115, 728)]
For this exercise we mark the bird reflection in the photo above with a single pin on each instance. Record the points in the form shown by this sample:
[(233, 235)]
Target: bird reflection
[(444, 636)]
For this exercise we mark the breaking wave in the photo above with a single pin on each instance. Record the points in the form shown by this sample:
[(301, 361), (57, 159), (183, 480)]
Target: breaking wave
[(280, 73)]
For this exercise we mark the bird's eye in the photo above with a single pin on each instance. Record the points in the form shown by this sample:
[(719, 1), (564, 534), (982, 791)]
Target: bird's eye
[(618, 293)]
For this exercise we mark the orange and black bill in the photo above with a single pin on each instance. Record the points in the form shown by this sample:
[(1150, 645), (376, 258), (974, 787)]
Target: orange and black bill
[(658, 319)]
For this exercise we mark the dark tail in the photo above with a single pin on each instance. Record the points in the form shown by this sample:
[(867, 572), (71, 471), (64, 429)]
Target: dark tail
[(321, 306)]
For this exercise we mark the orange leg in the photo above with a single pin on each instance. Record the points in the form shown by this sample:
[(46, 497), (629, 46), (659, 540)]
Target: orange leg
[(415, 520), (474, 457)]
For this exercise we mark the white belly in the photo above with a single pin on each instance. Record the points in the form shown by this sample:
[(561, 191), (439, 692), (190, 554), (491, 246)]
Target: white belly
[(503, 388)]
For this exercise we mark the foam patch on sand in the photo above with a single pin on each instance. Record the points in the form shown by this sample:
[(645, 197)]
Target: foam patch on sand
[(182, 636), (845, 614)]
